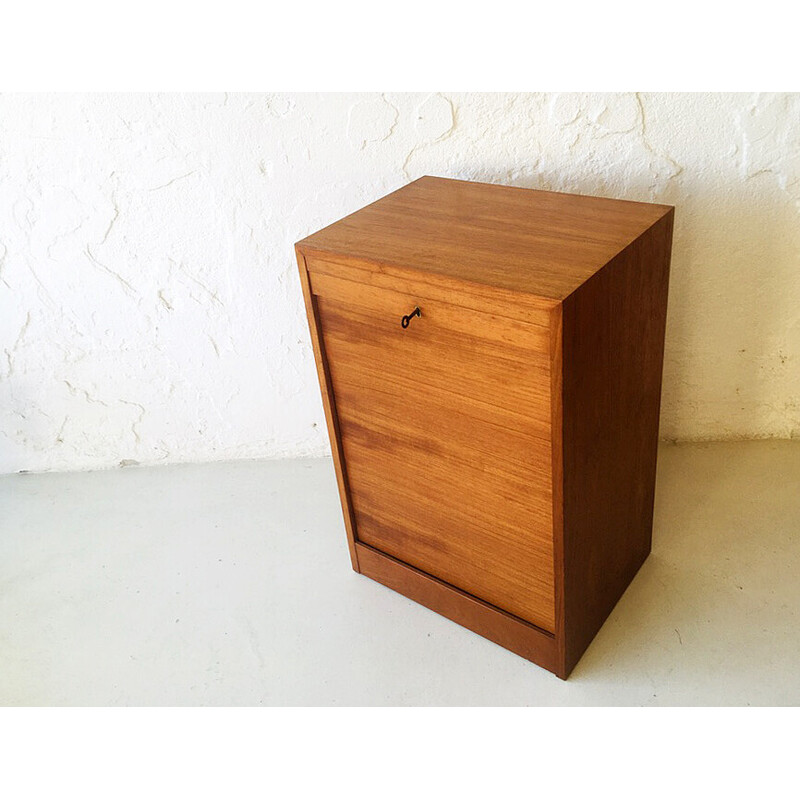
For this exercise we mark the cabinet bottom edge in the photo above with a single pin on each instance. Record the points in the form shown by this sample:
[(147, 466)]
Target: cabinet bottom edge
[(500, 627)]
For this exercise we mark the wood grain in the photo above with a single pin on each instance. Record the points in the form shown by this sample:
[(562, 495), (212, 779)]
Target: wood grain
[(506, 630), (407, 280), (447, 313), (496, 459), (557, 471), (329, 406), (541, 243), (474, 513), (509, 382), (613, 346)]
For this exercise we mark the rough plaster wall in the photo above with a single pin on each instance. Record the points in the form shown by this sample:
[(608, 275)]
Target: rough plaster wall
[(149, 305)]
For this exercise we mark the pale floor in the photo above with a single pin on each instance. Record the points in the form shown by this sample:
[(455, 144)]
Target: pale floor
[(230, 584)]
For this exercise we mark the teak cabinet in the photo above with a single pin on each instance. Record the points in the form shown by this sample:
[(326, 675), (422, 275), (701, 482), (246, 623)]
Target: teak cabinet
[(490, 361)]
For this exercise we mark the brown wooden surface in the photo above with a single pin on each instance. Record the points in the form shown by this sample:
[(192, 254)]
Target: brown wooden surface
[(496, 460), (329, 406), (557, 471), (445, 430), (406, 280), (508, 631), (449, 313), (613, 343), (541, 243)]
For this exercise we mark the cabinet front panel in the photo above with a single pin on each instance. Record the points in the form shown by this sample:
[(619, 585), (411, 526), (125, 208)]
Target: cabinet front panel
[(445, 431)]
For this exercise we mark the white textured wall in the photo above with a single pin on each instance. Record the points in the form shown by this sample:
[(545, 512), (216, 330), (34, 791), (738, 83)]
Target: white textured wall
[(149, 304)]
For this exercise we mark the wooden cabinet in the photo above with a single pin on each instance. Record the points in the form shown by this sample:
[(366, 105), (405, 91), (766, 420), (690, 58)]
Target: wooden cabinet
[(490, 361)]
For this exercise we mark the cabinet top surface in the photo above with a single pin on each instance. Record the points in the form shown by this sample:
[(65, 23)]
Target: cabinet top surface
[(525, 240)]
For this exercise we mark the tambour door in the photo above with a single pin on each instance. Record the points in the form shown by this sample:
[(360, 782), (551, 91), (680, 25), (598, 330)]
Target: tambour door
[(444, 424)]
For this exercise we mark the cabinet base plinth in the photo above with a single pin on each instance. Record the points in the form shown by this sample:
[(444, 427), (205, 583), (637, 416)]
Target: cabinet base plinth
[(514, 634)]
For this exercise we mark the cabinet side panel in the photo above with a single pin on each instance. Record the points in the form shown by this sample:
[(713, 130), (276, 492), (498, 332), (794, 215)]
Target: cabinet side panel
[(557, 447), (613, 347), (330, 407)]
